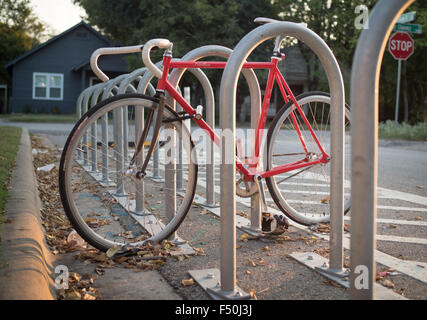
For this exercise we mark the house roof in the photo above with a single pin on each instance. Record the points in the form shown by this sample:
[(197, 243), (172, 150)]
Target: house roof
[(44, 44)]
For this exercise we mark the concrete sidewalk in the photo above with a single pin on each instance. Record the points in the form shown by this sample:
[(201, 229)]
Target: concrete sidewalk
[(26, 263)]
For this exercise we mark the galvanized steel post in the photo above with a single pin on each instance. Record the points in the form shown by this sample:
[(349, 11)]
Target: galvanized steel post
[(228, 123), (85, 107), (117, 137), (364, 144)]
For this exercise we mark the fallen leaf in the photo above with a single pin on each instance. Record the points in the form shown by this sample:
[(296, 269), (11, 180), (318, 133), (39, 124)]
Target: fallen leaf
[(387, 283), (242, 214), (88, 296), (73, 295), (101, 257), (187, 282), (252, 294), (74, 276), (113, 250), (121, 259), (244, 237), (99, 271), (251, 263), (325, 200), (263, 290)]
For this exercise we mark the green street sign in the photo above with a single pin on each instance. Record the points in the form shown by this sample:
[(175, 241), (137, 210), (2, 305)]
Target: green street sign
[(406, 27), (406, 17)]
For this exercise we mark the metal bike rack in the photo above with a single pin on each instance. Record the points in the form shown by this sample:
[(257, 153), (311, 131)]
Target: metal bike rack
[(117, 139), (364, 143), (79, 106), (93, 102), (170, 168), (227, 287), (85, 107), (139, 126), (255, 94)]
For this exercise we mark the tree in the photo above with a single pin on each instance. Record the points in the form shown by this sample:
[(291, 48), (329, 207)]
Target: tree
[(188, 24), (333, 21), (20, 30)]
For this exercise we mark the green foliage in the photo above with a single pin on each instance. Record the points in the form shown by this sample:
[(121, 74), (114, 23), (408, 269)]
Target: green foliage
[(388, 130), (9, 144), (39, 118), (190, 24), (20, 30)]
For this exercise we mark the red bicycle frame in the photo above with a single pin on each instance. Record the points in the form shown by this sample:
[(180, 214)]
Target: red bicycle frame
[(250, 170)]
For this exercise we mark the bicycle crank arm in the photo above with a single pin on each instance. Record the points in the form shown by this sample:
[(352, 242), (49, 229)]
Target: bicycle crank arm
[(280, 218), (258, 181)]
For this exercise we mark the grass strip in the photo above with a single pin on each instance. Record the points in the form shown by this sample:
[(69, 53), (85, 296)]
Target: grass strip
[(10, 138), (403, 131), (43, 118)]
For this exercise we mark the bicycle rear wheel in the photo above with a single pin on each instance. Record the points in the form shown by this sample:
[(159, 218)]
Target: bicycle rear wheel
[(304, 194), (103, 198)]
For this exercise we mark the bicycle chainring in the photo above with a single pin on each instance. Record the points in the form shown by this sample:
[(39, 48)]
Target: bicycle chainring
[(245, 189)]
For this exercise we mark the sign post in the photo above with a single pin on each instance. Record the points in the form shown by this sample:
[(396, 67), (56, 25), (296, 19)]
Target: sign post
[(401, 47)]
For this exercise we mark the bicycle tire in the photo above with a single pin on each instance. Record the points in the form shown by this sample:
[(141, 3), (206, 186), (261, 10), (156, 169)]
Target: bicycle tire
[(101, 197), (300, 210)]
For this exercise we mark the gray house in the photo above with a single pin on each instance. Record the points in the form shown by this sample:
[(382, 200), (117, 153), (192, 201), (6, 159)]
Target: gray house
[(50, 77)]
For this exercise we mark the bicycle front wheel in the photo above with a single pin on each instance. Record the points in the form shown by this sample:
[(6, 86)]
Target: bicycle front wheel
[(104, 198), (304, 194)]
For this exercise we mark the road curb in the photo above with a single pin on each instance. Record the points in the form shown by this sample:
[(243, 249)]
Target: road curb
[(26, 262)]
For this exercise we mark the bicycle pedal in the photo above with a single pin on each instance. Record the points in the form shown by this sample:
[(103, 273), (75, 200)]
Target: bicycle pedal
[(282, 221), (266, 222)]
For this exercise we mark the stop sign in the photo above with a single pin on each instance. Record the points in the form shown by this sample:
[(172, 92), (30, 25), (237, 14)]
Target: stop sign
[(401, 45)]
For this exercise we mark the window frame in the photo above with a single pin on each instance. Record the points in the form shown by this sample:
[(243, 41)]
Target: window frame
[(48, 86)]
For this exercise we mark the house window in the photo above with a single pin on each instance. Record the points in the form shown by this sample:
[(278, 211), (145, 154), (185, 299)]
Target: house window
[(49, 86)]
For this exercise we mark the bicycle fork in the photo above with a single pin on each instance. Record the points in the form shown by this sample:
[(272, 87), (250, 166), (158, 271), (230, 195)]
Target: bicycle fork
[(140, 174)]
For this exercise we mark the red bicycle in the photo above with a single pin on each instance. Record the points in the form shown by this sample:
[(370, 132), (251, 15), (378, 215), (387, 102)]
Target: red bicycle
[(296, 158)]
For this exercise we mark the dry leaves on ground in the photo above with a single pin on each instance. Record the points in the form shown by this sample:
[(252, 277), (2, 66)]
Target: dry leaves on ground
[(79, 288)]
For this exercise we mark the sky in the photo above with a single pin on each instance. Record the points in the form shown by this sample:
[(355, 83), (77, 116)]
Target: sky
[(59, 14)]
